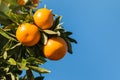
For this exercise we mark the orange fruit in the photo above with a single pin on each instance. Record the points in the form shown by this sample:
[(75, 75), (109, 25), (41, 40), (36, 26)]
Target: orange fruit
[(55, 49), (22, 2), (35, 1), (43, 18), (28, 34)]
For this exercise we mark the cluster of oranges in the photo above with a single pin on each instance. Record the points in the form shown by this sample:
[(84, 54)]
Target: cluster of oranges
[(29, 35)]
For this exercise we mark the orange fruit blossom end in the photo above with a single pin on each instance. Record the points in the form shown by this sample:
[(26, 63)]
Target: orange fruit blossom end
[(28, 34), (55, 49)]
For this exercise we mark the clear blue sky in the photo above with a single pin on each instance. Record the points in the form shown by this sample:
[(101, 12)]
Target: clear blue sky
[(96, 26)]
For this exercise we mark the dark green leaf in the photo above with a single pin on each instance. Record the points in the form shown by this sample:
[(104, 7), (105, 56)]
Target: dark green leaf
[(30, 51), (72, 40), (69, 45), (35, 60), (68, 33), (39, 78), (56, 22), (38, 69), (3, 33), (30, 75)]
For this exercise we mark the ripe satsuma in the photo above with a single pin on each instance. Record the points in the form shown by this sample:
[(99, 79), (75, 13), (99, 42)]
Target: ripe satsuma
[(43, 18), (22, 2), (55, 49), (35, 1), (28, 34)]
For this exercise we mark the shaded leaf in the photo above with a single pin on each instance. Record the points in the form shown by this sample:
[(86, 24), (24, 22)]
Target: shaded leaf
[(4, 19), (56, 22), (30, 51), (68, 33), (11, 76), (30, 75), (38, 69), (39, 78), (69, 45), (3, 33), (72, 40), (36, 60)]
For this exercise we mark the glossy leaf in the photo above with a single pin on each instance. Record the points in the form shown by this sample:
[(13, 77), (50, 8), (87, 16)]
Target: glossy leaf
[(22, 65), (44, 38), (38, 69), (12, 61), (5, 55), (50, 32)]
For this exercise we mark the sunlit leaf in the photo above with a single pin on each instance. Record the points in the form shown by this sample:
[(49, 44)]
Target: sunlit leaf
[(5, 55), (12, 61), (44, 38), (22, 65), (13, 47), (38, 69), (50, 32)]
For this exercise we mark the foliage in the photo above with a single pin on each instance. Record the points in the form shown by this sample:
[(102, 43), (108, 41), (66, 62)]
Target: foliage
[(15, 57)]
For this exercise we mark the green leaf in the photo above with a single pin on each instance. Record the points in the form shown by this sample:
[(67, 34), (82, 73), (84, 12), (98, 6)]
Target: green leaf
[(12, 76), (4, 6), (69, 45), (37, 61), (68, 33), (13, 47), (4, 19), (38, 69), (30, 51), (3, 33), (44, 38), (50, 32), (12, 61), (22, 65), (56, 22), (72, 40), (5, 55)]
